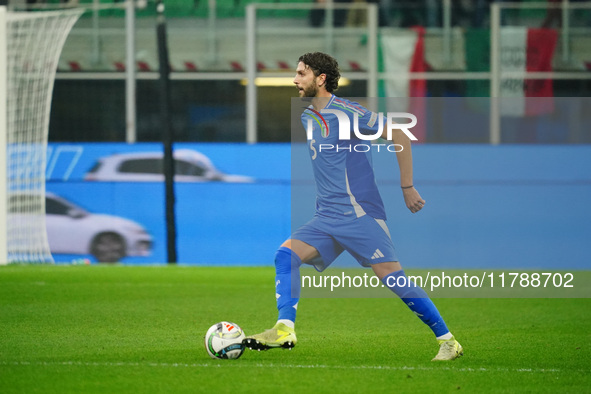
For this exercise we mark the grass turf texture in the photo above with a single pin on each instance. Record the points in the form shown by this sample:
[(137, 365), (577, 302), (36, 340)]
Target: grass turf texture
[(110, 329)]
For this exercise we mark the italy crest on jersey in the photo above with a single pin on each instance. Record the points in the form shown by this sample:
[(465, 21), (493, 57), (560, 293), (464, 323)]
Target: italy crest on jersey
[(318, 120)]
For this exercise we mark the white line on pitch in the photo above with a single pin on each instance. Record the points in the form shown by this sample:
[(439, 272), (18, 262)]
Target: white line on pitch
[(230, 364)]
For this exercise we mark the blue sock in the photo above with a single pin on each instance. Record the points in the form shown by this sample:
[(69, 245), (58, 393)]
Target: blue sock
[(287, 283), (417, 300)]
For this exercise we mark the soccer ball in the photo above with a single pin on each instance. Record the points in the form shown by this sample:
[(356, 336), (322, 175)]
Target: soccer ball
[(224, 340)]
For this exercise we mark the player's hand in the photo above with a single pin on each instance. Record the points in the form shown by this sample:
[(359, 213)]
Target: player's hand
[(413, 200)]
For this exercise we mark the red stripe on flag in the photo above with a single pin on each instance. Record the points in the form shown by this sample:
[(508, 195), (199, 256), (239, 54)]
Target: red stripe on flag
[(417, 88), (541, 44)]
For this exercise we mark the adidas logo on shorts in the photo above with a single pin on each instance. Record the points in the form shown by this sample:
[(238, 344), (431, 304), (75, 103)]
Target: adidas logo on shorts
[(377, 254)]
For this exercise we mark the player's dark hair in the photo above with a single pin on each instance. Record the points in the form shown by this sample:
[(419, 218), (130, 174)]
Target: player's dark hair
[(321, 63)]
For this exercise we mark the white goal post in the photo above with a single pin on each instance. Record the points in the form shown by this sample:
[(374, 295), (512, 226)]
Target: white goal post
[(30, 47)]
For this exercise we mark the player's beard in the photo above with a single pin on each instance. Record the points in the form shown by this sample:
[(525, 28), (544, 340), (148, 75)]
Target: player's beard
[(310, 91)]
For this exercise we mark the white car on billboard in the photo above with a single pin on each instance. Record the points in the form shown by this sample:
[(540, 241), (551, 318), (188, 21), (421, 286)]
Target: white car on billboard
[(73, 230), (190, 166)]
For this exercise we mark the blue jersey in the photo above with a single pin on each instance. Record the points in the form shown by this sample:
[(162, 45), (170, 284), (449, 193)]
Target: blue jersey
[(345, 181)]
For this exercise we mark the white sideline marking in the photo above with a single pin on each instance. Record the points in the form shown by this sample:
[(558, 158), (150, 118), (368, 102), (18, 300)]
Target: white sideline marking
[(270, 365)]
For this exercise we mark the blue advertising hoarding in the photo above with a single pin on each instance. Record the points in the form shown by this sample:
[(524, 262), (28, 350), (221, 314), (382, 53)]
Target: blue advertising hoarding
[(487, 206)]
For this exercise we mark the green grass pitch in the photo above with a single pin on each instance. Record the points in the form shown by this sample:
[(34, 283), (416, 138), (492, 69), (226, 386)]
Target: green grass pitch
[(115, 329)]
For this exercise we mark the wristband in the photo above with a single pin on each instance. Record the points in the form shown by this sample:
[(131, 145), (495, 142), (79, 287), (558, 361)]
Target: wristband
[(406, 187)]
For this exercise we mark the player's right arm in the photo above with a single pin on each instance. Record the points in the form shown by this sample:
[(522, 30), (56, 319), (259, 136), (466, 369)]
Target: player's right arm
[(412, 198)]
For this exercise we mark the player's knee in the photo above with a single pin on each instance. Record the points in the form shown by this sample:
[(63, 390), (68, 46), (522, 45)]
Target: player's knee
[(285, 259)]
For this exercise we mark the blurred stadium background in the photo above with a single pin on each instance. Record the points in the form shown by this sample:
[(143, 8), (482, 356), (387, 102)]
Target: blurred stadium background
[(208, 56)]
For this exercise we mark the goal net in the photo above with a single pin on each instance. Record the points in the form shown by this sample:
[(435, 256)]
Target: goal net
[(30, 47)]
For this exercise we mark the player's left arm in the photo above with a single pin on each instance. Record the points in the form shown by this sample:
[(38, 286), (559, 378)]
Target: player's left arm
[(412, 198)]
